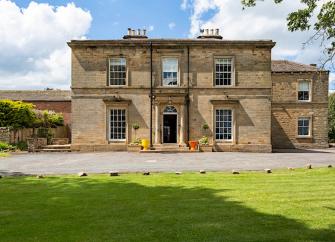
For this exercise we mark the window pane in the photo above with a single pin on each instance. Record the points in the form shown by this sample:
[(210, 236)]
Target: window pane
[(118, 124), (303, 126), (223, 71), (117, 71), (170, 72), (223, 124), (304, 86)]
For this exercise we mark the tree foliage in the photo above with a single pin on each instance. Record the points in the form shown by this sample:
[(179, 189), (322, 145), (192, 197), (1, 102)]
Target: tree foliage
[(302, 20), (331, 117), (18, 115)]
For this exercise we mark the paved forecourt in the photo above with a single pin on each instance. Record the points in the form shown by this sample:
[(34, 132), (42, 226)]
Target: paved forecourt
[(69, 163)]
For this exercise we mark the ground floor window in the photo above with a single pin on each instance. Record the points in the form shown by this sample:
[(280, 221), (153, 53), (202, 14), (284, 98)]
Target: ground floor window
[(223, 124), (304, 126), (118, 124)]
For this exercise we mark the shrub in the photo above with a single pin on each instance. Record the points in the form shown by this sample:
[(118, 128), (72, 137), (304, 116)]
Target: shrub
[(21, 145), (48, 119), (16, 115), (6, 147)]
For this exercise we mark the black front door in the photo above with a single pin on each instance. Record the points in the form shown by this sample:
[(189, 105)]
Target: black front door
[(170, 128)]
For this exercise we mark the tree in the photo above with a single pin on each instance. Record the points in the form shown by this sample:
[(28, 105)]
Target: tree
[(331, 117), (301, 20)]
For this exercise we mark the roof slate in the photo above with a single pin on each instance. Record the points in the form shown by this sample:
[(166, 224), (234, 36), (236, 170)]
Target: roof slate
[(34, 95), (290, 66)]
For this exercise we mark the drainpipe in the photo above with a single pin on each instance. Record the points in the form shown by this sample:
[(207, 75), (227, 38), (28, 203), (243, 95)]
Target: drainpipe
[(188, 94), (151, 95)]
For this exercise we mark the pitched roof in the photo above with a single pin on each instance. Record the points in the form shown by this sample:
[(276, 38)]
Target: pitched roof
[(290, 66), (28, 95)]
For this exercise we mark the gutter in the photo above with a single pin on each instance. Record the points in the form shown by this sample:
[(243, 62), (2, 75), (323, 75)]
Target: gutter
[(151, 95)]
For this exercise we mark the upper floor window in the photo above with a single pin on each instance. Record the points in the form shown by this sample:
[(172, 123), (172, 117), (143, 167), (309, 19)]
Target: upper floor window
[(303, 90), (170, 72), (224, 124), (304, 127), (117, 71), (224, 71)]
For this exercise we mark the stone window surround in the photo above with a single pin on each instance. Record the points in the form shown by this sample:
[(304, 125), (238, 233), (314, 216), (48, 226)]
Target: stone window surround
[(108, 70), (110, 106), (178, 57), (310, 90), (233, 81), (310, 117), (227, 107)]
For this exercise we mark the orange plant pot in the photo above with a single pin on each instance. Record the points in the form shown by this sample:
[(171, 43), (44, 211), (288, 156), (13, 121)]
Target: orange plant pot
[(193, 145)]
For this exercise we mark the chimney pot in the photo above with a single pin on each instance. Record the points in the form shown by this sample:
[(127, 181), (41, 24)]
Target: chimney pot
[(217, 32), (212, 31), (144, 32), (132, 32), (207, 32), (138, 32)]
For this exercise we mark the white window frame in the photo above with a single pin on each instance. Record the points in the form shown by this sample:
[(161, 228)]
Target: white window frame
[(110, 126), (309, 127), (309, 90), (178, 71), (232, 125), (109, 72), (232, 82)]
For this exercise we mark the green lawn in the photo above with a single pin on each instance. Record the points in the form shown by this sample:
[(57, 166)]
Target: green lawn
[(284, 206)]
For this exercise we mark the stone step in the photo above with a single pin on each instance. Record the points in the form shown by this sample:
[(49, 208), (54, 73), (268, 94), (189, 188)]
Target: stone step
[(167, 151), (168, 148), (57, 147), (53, 150)]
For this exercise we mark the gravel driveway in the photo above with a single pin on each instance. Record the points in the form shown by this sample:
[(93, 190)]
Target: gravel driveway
[(70, 163)]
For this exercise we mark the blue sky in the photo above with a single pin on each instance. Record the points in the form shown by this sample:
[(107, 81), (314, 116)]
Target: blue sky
[(33, 34), (111, 18)]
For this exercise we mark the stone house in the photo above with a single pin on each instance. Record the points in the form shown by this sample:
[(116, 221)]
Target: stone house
[(173, 88)]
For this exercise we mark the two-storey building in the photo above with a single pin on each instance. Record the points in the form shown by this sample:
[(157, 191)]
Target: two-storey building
[(176, 90)]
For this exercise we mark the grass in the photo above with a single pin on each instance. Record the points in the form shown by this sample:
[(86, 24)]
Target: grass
[(284, 206)]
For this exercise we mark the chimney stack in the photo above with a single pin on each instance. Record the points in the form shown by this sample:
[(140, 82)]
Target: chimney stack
[(209, 34), (133, 34)]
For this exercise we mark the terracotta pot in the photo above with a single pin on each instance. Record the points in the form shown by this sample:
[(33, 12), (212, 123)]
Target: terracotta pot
[(145, 144), (193, 145)]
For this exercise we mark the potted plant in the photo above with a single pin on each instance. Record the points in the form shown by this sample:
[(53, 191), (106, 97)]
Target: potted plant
[(193, 145), (135, 145), (205, 126), (204, 144), (136, 126)]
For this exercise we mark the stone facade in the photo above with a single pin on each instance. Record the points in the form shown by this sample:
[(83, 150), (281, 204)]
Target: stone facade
[(286, 109), (256, 97)]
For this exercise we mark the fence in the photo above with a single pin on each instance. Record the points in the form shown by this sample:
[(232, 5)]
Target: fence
[(9, 136)]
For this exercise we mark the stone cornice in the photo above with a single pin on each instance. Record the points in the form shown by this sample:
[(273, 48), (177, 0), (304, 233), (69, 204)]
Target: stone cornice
[(171, 42)]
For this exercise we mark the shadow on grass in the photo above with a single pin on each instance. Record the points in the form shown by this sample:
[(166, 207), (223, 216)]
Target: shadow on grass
[(73, 209)]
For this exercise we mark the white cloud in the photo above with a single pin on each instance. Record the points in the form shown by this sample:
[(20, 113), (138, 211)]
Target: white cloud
[(265, 21), (172, 25), (33, 49)]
